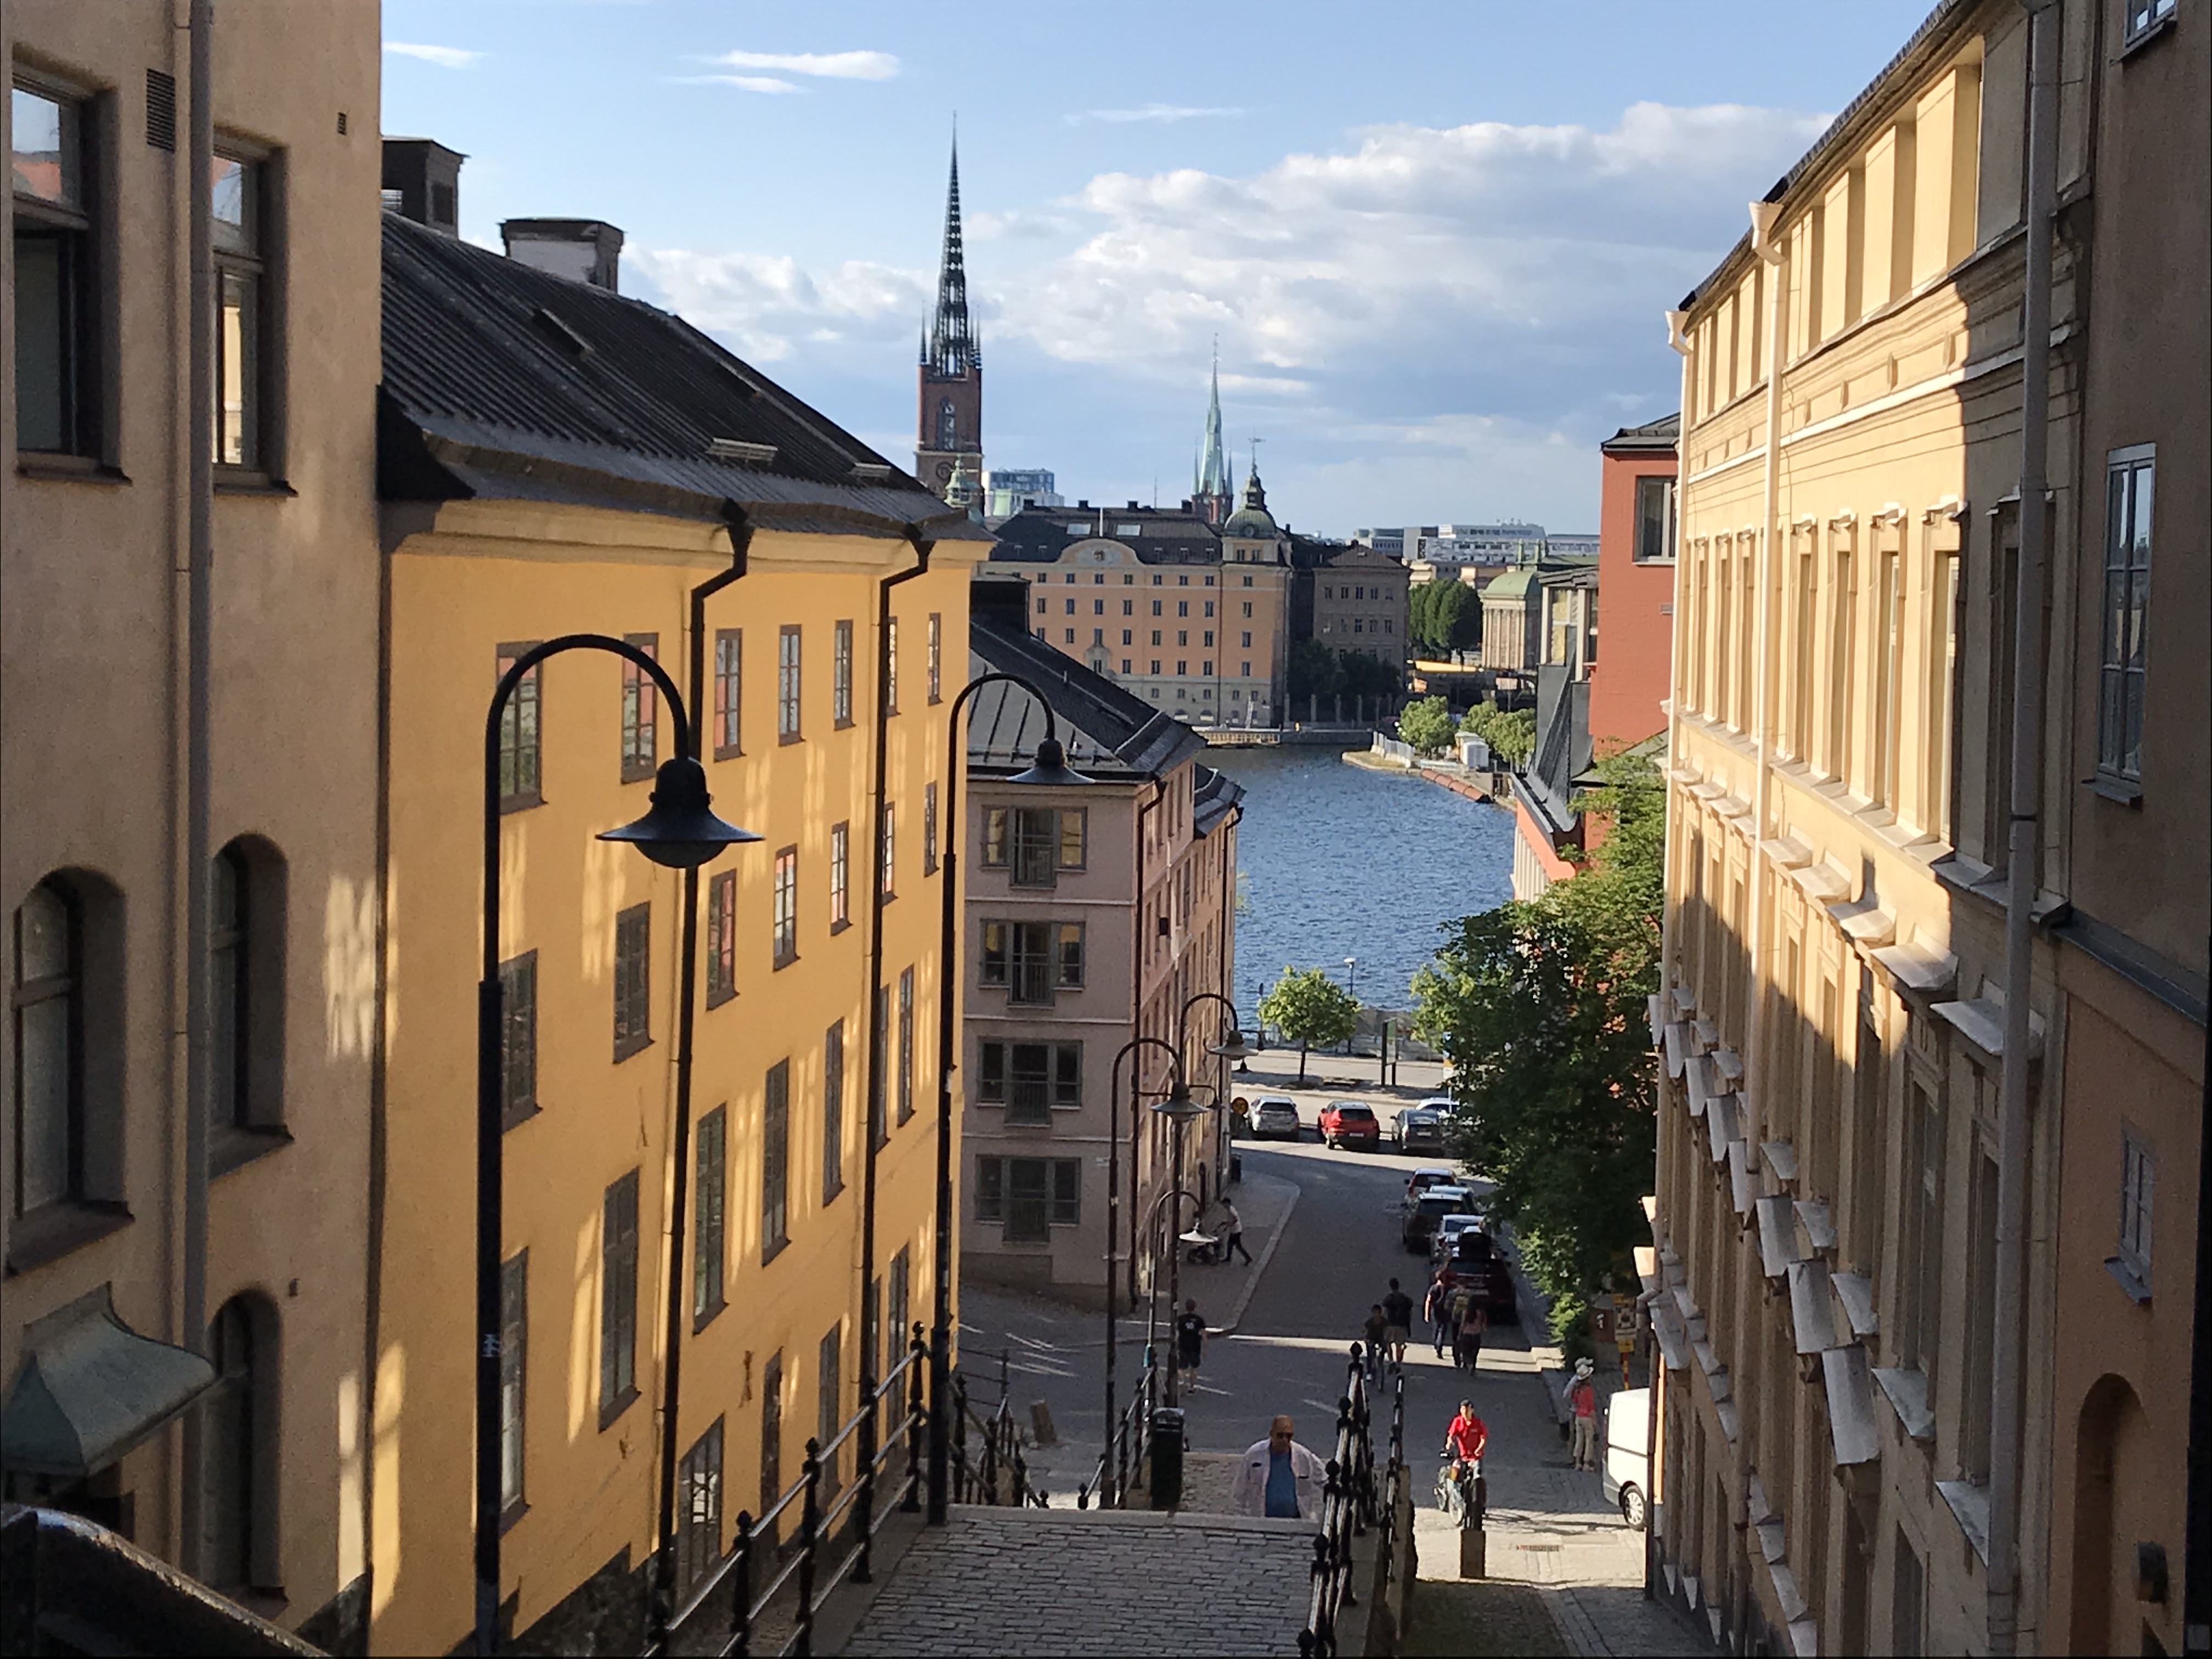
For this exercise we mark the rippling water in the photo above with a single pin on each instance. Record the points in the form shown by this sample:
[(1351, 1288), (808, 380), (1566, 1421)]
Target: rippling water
[(1340, 861)]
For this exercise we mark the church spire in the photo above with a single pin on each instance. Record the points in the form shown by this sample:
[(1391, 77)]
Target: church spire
[(1212, 492), (952, 347)]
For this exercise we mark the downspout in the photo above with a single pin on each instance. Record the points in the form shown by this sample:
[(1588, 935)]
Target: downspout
[(878, 1086), (1137, 1028), (680, 1153), (199, 728), (1764, 216), (2014, 1105)]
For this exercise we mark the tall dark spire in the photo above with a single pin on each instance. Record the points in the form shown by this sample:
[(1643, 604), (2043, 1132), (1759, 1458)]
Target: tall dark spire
[(952, 348)]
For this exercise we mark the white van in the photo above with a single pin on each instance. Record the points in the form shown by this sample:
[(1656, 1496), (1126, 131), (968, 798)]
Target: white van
[(1628, 1453)]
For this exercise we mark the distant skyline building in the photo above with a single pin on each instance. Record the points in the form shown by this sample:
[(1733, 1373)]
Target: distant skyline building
[(1009, 489), (948, 401)]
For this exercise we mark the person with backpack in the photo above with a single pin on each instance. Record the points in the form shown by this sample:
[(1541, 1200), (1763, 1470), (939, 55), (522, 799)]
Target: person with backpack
[(1433, 1309), (1397, 1321)]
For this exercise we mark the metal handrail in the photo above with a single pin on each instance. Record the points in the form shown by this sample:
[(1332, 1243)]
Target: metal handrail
[(1117, 1441), (1347, 1507)]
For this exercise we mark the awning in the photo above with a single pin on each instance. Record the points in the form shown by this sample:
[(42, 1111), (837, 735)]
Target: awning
[(90, 1388)]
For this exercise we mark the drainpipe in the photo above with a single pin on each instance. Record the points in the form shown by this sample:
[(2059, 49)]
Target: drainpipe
[(679, 1154), (878, 1086), (2013, 1127), (1764, 216), (198, 728), (1144, 937)]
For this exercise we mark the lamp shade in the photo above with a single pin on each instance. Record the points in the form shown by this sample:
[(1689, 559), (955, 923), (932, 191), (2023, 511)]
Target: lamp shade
[(1232, 1047), (681, 832), (1050, 768), (1179, 1107)]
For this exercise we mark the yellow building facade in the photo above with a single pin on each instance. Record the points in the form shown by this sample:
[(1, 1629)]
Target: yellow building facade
[(778, 1308)]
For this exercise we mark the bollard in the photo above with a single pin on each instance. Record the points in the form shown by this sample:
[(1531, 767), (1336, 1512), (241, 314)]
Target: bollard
[(1167, 1458)]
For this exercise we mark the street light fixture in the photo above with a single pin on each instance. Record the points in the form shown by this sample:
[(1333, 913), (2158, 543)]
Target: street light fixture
[(1108, 1491), (1048, 770), (680, 832)]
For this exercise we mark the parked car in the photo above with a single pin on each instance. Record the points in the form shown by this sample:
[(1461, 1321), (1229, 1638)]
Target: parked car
[(1473, 1260), (1417, 1129), (1448, 1230), (1428, 1210), (1275, 1119), (1627, 1464), (1351, 1123), (1427, 1177)]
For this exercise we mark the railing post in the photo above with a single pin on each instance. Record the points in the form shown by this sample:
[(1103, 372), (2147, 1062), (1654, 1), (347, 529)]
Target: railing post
[(967, 1472), (915, 1437), (810, 1527), (864, 1501), (741, 1602)]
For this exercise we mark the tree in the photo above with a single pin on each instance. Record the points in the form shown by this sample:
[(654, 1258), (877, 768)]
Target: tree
[(1458, 616), (1540, 1006), (1511, 734), (1313, 671), (1309, 1007), (1427, 725)]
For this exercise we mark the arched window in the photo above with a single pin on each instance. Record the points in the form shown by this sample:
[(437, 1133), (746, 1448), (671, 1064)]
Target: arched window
[(238, 1432), (49, 1082), (947, 425), (246, 995)]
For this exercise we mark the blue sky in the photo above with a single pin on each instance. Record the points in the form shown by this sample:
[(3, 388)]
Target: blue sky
[(1434, 239)]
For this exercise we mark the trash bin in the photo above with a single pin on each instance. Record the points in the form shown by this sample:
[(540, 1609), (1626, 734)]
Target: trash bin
[(1235, 1168), (1167, 1458)]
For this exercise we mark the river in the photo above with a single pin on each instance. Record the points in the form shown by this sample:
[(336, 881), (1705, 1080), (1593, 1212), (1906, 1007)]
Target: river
[(1337, 861)]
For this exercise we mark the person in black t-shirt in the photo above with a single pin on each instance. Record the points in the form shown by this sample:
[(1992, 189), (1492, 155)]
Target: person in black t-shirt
[(1190, 1335), (1398, 1319)]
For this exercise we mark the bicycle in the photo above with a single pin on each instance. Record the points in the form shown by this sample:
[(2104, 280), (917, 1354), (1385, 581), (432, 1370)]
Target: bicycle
[(1459, 1491)]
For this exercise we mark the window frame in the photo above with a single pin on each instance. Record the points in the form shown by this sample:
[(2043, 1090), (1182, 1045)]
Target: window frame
[(929, 828), (729, 692), (250, 263), (906, 1045), (790, 661), (1668, 520), (710, 1218), (2133, 1238), (518, 1027), (890, 665), (2131, 474), (633, 980), (640, 712), (833, 1112), (771, 1431), (514, 1387), (618, 1248), (2142, 20), (783, 921), (840, 674), (935, 653), (528, 694), (841, 876), (78, 226), (722, 938), (776, 1161), (889, 874), (27, 994), (701, 1477), (830, 1405)]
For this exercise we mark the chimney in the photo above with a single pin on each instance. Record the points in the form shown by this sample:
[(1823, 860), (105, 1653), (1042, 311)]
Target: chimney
[(422, 182), (582, 250)]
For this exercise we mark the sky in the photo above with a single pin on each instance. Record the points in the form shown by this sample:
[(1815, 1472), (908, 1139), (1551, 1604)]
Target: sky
[(1434, 241)]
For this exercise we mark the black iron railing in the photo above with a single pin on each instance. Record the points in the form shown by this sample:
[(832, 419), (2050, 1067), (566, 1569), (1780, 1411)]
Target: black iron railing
[(1347, 1508), (1123, 1453), (995, 1471)]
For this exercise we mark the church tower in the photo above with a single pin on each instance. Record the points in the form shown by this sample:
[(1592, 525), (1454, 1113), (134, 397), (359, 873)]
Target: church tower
[(1210, 490), (949, 418)]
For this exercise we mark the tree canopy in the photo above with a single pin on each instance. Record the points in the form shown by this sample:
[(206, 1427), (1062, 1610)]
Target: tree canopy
[(1315, 671), (1510, 733), (1444, 615), (1427, 725), (1309, 1007), (1540, 1006)]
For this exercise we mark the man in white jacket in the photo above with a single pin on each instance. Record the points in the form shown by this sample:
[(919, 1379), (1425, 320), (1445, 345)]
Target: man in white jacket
[(1280, 1478)]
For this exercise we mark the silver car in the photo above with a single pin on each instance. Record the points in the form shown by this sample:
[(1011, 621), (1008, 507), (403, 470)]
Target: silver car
[(1275, 1119)]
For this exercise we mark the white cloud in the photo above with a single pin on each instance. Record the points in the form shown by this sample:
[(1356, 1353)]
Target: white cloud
[(768, 83), (831, 65), (769, 306), (452, 58), (1166, 113)]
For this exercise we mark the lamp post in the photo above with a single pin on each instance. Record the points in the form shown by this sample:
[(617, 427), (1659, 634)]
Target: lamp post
[(1231, 1048), (1114, 1215), (1177, 1109), (680, 832), (1351, 977), (1050, 770)]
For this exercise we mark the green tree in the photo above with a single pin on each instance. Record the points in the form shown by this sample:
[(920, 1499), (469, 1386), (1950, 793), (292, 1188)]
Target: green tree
[(1539, 1006), (1511, 734), (1367, 677), (1309, 1007), (1313, 671), (1457, 618), (1427, 725), (1420, 617)]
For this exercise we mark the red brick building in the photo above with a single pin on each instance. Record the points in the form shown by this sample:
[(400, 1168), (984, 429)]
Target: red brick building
[(1636, 577)]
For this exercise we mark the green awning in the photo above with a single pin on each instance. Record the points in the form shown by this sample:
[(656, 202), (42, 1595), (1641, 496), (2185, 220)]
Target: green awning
[(90, 1388)]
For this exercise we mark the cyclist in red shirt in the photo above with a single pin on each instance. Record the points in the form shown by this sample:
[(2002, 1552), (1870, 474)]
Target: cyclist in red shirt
[(1469, 1435)]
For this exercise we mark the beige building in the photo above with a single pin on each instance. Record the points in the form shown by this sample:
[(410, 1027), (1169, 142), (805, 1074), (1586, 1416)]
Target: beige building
[(1833, 1139), (1193, 620), (1094, 914), (1512, 621), (1359, 599), (263, 1266)]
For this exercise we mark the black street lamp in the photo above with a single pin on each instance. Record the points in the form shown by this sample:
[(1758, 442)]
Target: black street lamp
[(1231, 1048), (1050, 771), (1175, 1110), (680, 832), (1114, 1215)]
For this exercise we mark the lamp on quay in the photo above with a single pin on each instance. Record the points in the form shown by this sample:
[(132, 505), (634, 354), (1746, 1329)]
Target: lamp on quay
[(679, 832)]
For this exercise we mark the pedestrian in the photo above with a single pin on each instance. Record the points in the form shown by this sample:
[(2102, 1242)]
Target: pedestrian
[(1397, 1320), (1466, 1440), (1278, 1479), (1474, 1325), (1190, 1334), (1455, 1310), (1433, 1308), (1375, 1331), (1234, 1240), (1582, 1402)]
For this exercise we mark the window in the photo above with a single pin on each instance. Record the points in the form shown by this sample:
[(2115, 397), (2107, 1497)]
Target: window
[(729, 663), (1071, 606), (1156, 604), (1908, 1600), (775, 1160), (1843, 651), (1655, 519), (517, 731), (48, 1009), (238, 1422), (1155, 669), (1182, 636), (518, 1025), (1030, 1079), (1071, 637), (722, 938), (699, 1512), (2138, 1179), (618, 1299), (936, 658), (2141, 18), (1981, 1317), (1033, 959), (1247, 603), (56, 309), (1030, 1195), (1068, 947), (929, 830), (890, 665), (633, 989), (707, 1190), (513, 1354), (787, 684), (1889, 640), (786, 920), (891, 849), (247, 986), (833, 1111), (841, 862), (1943, 629), (879, 1129), (828, 1403), (1923, 1242), (901, 1279), (2127, 611), (771, 1439), (1128, 637), (905, 1044), (1156, 636), (240, 361)]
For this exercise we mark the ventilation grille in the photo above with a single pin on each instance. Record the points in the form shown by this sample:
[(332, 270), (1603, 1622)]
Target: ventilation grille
[(161, 110), (342, 124)]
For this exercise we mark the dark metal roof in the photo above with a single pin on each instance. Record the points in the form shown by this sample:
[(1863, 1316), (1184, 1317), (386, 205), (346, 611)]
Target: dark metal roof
[(1041, 534), (1110, 734), (1663, 433), (1214, 799), (502, 380)]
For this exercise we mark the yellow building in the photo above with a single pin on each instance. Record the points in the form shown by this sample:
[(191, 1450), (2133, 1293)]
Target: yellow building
[(245, 1244), (1838, 1294), (555, 458)]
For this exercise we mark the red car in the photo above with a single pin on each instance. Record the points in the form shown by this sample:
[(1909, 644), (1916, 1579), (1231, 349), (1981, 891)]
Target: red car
[(1351, 1123)]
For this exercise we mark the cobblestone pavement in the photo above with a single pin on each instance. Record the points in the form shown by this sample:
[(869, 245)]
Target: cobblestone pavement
[(1020, 1582)]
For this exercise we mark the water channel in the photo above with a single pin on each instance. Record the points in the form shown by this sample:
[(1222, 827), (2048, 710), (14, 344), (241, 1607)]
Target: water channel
[(1337, 861)]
